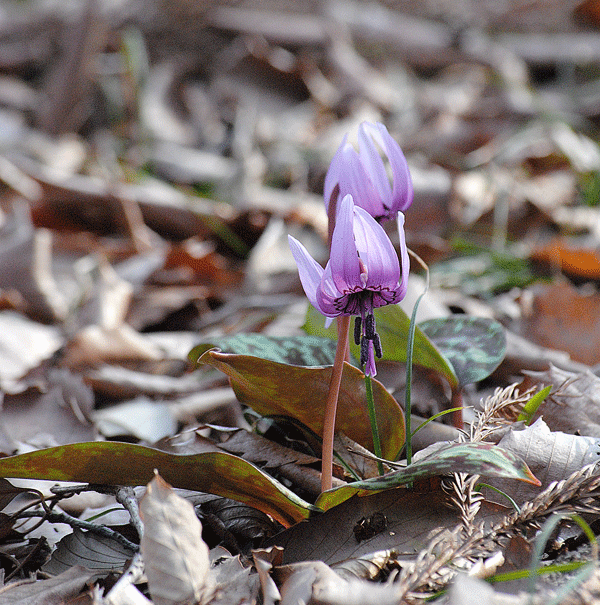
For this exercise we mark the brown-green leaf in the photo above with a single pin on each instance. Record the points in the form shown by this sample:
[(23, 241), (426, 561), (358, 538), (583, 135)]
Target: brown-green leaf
[(112, 463), (475, 458), (273, 388)]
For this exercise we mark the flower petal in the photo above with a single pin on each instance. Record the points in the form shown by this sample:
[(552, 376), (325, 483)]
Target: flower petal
[(345, 264), (336, 168), (356, 182), (376, 251), (372, 161), (402, 192), (308, 268), (327, 295)]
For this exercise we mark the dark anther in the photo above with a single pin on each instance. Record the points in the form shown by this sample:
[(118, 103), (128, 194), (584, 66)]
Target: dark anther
[(377, 345), (357, 328), (370, 326), (364, 351)]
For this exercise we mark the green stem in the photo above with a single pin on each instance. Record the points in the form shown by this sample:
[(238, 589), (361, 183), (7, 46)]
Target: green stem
[(331, 403), (409, 368), (374, 427)]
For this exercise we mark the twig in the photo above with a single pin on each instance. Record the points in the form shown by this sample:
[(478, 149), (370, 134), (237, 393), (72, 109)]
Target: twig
[(101, 530)]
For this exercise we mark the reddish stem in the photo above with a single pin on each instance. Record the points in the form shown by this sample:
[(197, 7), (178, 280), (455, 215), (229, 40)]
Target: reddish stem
[(331, 402), (457, 402)]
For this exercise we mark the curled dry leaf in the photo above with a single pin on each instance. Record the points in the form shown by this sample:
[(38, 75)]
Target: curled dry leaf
[(574, 404), (108, 337), (316, 582), (24, 345), (552, 456), (562, 317), (175, 556)]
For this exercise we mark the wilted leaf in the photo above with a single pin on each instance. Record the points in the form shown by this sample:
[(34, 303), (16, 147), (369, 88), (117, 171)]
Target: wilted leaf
[(111, 463), (315, 582), (175, 556), (99, 553), (475, 346), (409, 516), (290, 464), (551, 456), (24, 344), (392, 326), (475, 458), (273, 388), (574, 404), (144, 418), (575, 262), (56, 590), (562, 317), (234, 582), (58, 414), (295, 350)]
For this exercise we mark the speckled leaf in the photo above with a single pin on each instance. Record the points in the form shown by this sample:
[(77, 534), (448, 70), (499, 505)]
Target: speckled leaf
[(112, 463), (296, 350), (475, 458), (475, 346), (392, 326), (273, 388)]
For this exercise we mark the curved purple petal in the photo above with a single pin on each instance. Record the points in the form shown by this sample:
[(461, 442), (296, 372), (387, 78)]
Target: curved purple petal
[(336, 168), (402, 191), (309, 270), (328, 297), (372, 161), (376, 251), (345, 264)]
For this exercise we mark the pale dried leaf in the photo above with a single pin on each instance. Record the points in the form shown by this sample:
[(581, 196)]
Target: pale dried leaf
[(57, 415), (24, 344), (55, 591), (574, 406), (551, 456), (94, 345), (176, 557), (466, 590), (315, 582), (143, 418), (234, 582)]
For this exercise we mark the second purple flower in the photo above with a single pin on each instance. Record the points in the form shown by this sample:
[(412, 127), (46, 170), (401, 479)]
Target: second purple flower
[(364, 176)]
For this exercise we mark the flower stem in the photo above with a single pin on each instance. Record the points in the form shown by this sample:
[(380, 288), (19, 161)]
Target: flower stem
[(373, 419), (331, 402)]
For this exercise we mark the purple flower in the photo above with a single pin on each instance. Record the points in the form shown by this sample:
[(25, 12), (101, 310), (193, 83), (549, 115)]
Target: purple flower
[(362, 274), (363, 175)]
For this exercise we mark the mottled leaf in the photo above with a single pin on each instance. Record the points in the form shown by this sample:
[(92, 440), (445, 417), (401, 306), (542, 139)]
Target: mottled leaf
[(392, 326), (475, 346), (278, 389), (295, 350), (112, 463), (475, 458)]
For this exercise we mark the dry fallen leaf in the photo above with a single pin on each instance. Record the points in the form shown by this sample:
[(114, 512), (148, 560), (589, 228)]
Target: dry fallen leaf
[(561, 317), (175, 556), (574, 404), (551, 456)]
